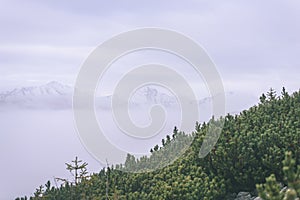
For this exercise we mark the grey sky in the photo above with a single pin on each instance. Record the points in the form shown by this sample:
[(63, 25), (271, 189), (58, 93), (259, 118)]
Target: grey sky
[(248, 40)]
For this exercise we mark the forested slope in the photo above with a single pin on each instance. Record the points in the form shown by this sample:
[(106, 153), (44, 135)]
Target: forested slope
[(251, 147)]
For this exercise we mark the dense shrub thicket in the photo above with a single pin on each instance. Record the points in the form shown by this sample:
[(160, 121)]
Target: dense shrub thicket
[(251, 147), (272, 190)]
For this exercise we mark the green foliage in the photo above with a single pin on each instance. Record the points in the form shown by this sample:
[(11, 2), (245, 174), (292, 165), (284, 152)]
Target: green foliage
[(291, 173), (271, 190), (251, 147), (78, 171)]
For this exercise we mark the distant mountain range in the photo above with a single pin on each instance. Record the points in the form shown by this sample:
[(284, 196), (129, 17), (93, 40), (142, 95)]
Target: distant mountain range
[(52, 95), (57, 96)]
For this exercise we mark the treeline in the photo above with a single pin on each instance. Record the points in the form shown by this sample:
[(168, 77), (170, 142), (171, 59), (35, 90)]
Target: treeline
[(251, 147)]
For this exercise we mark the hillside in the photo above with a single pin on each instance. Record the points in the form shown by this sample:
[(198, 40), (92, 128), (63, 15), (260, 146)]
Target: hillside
[(251, 147)]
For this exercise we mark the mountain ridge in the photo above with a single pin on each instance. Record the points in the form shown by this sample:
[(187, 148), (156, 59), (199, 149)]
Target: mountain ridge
[(56, 95)]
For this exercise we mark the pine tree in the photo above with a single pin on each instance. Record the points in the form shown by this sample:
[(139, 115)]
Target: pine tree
[(271, 190)]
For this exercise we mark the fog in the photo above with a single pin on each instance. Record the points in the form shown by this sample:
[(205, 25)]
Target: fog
[(36, 144)]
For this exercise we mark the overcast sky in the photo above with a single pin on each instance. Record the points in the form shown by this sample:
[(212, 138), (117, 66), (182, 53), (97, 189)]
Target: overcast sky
[(254, 44)]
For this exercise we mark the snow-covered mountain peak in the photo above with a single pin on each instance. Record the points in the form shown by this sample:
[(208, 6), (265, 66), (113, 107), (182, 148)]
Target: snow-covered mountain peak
[(55, 88), (49, 89), (153, 95), (50, 95)]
